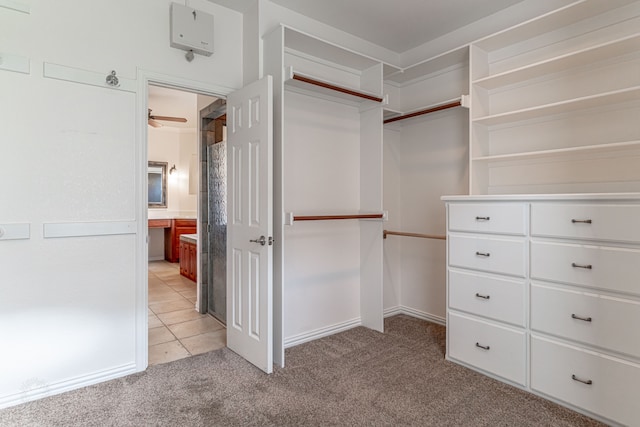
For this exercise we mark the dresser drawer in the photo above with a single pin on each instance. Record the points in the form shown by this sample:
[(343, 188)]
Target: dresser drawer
[(593, 222), (492, 254), (557, 370), (615, 269), (504, 348), (600, 320), (496, 298), (499, 218)]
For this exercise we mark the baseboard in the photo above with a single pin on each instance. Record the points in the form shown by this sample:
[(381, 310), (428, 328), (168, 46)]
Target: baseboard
[(37, 389), (156, 258), (401, 309), (321, 332)]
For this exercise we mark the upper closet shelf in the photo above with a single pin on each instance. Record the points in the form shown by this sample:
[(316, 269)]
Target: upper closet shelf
[(394, 116), (565, 16), (582, 57), (577, 104), (308, 83)]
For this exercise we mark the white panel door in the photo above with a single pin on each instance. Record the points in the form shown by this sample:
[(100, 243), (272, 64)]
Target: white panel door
[(250, 223)]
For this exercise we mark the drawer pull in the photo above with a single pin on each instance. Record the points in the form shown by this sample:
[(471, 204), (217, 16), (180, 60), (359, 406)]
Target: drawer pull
[(587, 382), (585, 266), (585, 319), (483, 296), (581, 221), (484, 254), (483, 218), (484, 347)]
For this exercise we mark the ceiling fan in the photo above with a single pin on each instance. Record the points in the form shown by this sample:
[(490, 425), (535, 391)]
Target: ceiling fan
[(152, 119)]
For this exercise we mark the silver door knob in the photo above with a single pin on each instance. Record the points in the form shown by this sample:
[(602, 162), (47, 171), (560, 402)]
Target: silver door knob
[(262, 240)]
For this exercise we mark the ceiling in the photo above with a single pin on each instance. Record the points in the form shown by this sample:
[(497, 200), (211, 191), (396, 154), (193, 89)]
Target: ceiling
[(176, 103), (398, 25)]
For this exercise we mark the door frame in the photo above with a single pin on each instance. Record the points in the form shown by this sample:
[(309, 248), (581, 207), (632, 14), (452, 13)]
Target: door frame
[(144, 79)]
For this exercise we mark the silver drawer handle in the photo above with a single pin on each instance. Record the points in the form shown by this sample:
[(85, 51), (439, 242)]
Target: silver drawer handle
[(581, 221), (585, 266), (485, 254), (483, 296), (483, 218), (587, 382), (586, 319), (482, 346)]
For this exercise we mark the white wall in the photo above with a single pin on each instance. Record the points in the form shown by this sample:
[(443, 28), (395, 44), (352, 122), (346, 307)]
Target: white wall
[(71, 154), (321, 176)]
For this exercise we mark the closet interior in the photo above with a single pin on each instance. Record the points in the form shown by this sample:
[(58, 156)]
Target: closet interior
[(364, 150)]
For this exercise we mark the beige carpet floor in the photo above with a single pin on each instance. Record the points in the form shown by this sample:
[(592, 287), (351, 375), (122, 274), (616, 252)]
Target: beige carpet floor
[(355, 378)]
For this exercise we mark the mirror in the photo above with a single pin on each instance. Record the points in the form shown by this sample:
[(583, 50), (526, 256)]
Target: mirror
[(157, 181)]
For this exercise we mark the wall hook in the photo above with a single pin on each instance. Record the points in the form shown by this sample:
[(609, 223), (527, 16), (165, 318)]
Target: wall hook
[(112, 80)]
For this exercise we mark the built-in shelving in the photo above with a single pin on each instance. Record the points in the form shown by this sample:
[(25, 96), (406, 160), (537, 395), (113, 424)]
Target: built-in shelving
[(575, 59), (568, 106), (569, 151), (553, 102)]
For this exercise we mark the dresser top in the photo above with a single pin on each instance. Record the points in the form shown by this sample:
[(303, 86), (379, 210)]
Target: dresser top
[(543, 197)]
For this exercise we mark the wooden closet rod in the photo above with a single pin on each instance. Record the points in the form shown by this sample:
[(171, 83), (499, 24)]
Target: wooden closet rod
[(425, 111), (336, 88), (386, 233), (333, 217)]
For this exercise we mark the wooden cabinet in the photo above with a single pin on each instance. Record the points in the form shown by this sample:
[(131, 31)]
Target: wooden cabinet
[(188, 259), (563, 328), (172, 237), (173, 229)]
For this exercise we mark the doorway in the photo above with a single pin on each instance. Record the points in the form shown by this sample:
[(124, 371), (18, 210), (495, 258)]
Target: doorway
[(177, 327)]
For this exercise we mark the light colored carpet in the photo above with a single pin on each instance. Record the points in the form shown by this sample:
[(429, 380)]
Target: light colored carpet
[(355, 378)]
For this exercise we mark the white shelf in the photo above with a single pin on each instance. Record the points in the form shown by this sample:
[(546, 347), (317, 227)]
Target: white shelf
[(593, 149), (307, 83), (572, 105), (454, 58), (563, 17), (561, 63)]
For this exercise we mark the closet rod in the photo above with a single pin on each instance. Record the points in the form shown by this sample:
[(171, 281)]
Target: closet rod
[(336, 88), (425, 111), (333, 217), (386, 233)]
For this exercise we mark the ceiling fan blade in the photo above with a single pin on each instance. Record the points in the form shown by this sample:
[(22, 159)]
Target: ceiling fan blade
[(154, 124), (169, 119)]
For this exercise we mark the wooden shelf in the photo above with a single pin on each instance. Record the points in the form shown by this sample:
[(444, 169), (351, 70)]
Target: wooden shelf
[(308, 83), (598, 148), (561, 63), (569, 106)]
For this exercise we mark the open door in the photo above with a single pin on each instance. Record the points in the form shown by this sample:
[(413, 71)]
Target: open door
[(250, 223)]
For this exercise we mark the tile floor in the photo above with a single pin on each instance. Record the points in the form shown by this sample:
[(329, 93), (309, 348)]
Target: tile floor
[(176, 329)]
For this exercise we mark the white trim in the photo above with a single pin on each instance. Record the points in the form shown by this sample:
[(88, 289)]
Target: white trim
[(321, 332), (417, 314), (83, 229), (76, 75), (156, 258), (15, 231), (46, 390), (144, 79), (14, 5), (15, 63)]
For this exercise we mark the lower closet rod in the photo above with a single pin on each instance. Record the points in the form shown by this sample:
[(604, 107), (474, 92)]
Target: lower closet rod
[(386, 233), (332, 217)]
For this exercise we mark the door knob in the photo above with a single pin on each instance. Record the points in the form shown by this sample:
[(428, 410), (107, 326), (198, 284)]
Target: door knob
[(262, 240)]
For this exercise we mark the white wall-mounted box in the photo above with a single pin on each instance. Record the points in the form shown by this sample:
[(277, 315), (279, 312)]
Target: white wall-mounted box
[(191, 29)]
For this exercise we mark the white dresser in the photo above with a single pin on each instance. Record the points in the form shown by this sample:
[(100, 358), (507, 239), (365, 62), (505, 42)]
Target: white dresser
[(543, 292)]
